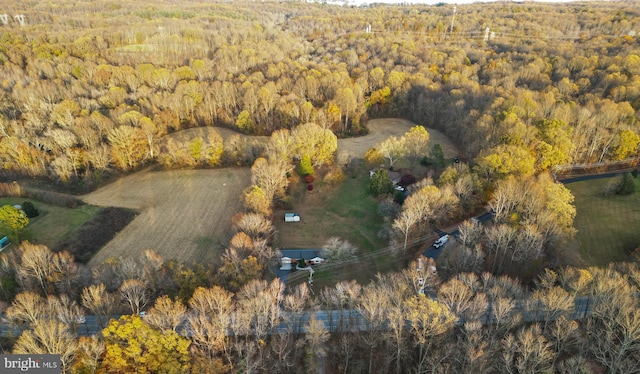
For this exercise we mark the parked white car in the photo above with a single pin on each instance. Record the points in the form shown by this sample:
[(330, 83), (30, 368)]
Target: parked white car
[(440, 242)]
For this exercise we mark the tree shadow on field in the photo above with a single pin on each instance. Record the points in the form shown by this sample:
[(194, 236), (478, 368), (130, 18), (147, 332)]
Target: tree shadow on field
[(96, 233)]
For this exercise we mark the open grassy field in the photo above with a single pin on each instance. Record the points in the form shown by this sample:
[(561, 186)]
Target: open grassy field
[(184, 215), (345, 211), (382, 128), (608, 226), (54, 223)]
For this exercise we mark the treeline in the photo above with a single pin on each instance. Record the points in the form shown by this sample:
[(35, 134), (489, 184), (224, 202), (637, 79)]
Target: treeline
[(94, 87), (404, 322)]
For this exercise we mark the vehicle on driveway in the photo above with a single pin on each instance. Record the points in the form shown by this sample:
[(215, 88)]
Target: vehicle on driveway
[(440, 242)]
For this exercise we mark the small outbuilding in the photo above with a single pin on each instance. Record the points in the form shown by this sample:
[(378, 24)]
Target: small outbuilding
[(285, 263), (291, 217)]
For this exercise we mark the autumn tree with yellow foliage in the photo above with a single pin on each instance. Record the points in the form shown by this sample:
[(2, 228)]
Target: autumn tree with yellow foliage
[(132, 346)]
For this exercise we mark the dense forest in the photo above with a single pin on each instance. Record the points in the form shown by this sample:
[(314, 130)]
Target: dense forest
[(93, 89), (84, 91)]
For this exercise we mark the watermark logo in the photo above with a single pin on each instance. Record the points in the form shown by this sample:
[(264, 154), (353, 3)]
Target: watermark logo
[(36, 364)]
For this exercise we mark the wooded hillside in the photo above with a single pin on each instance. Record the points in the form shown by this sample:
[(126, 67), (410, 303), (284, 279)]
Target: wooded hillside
[(95, 85)]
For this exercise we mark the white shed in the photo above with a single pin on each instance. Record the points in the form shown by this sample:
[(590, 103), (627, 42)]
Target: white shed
[(291, 217), (285, 263)]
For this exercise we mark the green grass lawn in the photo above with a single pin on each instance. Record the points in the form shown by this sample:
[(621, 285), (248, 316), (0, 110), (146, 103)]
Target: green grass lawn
[(346, 211), (54, 223), (608, 226)]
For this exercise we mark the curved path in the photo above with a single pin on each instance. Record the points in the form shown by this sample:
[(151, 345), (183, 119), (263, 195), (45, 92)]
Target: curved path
[(379, 130), (383, 128)]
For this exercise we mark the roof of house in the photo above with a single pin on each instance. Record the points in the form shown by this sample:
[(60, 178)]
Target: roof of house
[(300, 253)]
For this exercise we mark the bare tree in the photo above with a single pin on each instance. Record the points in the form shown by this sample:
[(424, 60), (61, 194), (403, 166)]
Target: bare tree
[(282, 347), (295, 302), (150, 132), (256, 302), (614, 329), (500, 241), (48, 337), (421, 275), (27, 308), (98, 301), (504, 314), (429, 322), (253, 224), (397, 337), (507, 197), (344, 297), (527, 351), (316, 336), (153, 270), (565, 336), (271, 177), (64, 273), (338, 250), (393, 148), (129, 268), (212, 317), (66, 310), (462, 301), (373, 305), (407, 219), (280, 145), (90, 350), (135, 295), (470, 233), (574, 280), (166, 314), (98, 157), (475, 350), (462, 259), (546, 280), (575, 365), (552, 303), (35, 266)]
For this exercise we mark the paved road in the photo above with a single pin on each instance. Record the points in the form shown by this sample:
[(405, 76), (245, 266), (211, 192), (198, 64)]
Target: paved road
[(588, 177), (334, 320)]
